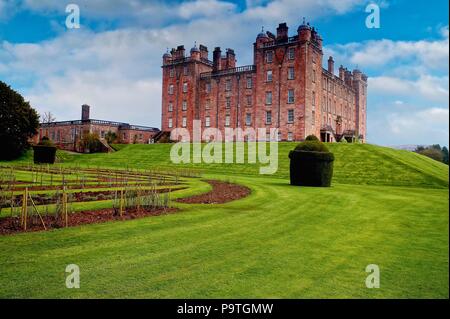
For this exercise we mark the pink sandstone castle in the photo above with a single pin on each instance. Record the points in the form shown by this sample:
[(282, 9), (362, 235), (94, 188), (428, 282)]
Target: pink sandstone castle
[(286, 87)]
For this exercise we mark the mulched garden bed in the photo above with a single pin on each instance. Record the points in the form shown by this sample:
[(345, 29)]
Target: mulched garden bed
[(10, 225), (221, 193), (88, 196)]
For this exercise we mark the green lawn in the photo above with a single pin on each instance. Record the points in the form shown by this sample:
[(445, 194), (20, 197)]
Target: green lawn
[(386, 207)]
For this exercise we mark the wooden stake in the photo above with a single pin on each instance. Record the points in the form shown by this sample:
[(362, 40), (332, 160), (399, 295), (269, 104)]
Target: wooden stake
[(25, 208), (138, 200), (121, 203), (35, 208)]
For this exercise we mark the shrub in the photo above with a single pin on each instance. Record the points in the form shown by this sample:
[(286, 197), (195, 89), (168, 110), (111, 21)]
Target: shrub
[(110, 137), (44, 154), (45, 141), (312, 138), (91, 143), (312, 146), (311, 164)]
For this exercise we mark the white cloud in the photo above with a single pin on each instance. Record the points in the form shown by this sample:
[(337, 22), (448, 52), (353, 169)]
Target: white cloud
[(420, 127), (426, 87), (433, 54), (206, 8)]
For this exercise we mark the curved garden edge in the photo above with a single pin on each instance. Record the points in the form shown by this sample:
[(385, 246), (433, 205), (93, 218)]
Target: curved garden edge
[(11, 225), (222, 192)]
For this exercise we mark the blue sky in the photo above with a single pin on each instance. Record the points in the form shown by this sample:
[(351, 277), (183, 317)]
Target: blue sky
[(113, 61)]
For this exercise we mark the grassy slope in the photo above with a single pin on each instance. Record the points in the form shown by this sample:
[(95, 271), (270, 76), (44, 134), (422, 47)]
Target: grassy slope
[(355, 164), (281, 241)]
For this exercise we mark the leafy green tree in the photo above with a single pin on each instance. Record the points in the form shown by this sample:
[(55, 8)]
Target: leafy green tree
[(18, 122), (91, 143), (110, 137), (445, 154), (433, 153)]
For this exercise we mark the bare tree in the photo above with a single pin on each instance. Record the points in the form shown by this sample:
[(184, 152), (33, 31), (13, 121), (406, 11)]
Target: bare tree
[(47, 117)]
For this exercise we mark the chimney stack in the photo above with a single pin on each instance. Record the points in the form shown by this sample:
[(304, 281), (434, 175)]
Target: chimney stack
[(331, 65), (282, 31), (217, 55), (341, 72), (203, 52), (231, 59), (85, 112)]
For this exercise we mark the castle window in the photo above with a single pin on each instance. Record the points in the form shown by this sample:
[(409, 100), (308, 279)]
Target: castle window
[(268, 117), (268, 98), (171, 89), (269, 76), (207, 121), (228, 85), (249, 100), (171, 73), (269, 56), (291, 98), (208, 87), (208, 104), (313, 99), (291, 73), (313, 118), (73, 134), (184, 123), (227, 120), (290, 137), (290, 116), (170, 123), (248, 119), (170, 107), (249, 83), (291, 53), (184, 106), (228, 102), (185, 70), (185, 87)]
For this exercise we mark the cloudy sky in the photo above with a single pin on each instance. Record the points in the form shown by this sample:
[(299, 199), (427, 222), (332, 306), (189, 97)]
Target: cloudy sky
[(113, 61)]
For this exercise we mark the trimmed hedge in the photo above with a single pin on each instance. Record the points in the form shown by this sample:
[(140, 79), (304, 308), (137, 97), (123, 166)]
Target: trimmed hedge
[(44, 154), (311, 165)]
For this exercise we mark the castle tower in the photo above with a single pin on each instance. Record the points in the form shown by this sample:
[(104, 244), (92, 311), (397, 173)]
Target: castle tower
[(360, 87), (180, 93)]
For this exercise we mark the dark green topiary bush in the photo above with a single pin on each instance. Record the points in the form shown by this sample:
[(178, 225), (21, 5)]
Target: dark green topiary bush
[(311, 164), (312, 138), (44, 152), (312, 146)]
